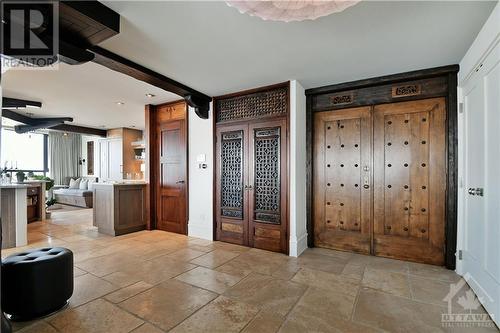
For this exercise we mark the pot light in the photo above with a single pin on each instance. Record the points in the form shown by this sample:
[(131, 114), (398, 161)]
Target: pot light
[(150, 95), (120, 103)]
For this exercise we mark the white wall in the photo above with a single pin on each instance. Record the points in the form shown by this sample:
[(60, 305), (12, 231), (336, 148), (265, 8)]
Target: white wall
[(201, 190), (298, 231)]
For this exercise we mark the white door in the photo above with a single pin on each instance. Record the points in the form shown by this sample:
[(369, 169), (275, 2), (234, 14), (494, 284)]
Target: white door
[(103, 160), (115, 159), (481, 243)]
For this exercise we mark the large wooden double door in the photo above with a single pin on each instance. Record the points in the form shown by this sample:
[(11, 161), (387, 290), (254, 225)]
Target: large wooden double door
[(380, 180), (251, 183)]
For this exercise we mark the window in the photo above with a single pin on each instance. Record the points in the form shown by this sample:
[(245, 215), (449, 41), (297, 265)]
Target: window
[(23, 151)]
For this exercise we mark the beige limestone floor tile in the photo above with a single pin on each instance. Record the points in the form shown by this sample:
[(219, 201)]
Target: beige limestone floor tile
[(237, 267), (121, 279), (288, 270), (98, 316), (106, 264), (158, 269), (77, 271), (127, 292), (209, 279), (314, 260), (433, 272), (267, 293), (329, 281), (324, 303), (343, 255), (265, 322), (231, 247), (147, 328), (379, 263), (186, 254), (397, 314), (168, 304), (215, 258), (303, 322), (221, 315), (38, 327), (429, 290), (390, 282), (88, 287), (353, 272)]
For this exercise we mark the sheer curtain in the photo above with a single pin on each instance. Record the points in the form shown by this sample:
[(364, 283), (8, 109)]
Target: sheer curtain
[(65, 150)]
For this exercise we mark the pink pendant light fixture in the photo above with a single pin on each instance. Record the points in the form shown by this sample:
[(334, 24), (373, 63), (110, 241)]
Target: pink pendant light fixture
[(288, 11)]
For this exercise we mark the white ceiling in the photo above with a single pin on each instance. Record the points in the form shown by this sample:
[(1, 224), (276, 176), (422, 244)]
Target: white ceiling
[(216, 50), (87, 92)]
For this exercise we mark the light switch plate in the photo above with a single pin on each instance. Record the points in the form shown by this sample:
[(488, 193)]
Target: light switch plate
[(201, 158)]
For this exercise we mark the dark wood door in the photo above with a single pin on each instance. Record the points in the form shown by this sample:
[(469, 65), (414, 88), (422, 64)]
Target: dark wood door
[(410, 180), (268, 185), (172, 176), (251, 185), (342, 178), (231, 184)]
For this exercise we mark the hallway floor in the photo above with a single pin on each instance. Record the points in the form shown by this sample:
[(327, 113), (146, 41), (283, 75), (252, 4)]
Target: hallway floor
[(158, 282)]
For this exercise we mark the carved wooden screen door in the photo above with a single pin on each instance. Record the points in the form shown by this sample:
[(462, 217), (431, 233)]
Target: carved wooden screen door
[(385, 198), (251, 196), (251, 173)]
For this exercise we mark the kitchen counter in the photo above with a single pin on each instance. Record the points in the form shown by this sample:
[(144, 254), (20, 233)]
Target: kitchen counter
[(119, 208), (14, 215)]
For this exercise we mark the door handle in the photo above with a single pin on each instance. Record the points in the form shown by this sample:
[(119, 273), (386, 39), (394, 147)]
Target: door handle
[(479, 191), (179, 182)]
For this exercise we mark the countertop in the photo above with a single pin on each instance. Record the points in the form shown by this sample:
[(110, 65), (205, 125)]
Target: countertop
[(121, 183), (14, 185)]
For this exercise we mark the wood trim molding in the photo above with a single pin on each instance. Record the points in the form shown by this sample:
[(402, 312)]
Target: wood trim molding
[(436, 82)]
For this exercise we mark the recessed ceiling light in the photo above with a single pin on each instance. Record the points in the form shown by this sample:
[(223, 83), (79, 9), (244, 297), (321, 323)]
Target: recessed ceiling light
[(133, 126), (150, 95), (65, 134), (120, 103), (102, 126), (30, 114)]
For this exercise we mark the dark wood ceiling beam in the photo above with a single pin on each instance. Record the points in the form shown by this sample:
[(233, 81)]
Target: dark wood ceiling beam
[(80, 130), (8, 102), (197, 100)]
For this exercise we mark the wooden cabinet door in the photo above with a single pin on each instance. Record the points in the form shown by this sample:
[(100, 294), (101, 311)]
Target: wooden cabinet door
[(267, 185), (171, 185), (410, 180), (342, 182), (231, 179)]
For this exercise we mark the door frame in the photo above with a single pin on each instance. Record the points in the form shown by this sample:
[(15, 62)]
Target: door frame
[(151, 175), (415, 85), (215, 124)]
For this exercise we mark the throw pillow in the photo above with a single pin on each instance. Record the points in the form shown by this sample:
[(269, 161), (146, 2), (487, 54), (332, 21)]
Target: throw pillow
[(84, 184), (74, 183)]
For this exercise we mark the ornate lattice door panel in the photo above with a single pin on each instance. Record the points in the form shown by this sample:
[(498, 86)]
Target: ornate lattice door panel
[(231, 177), (268, 185), (410, 180), (342, 168)]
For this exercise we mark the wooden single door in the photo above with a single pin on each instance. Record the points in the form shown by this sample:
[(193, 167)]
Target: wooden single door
[(172, 176), (268, 185), (410, 180), (231, 184), (342, 169)]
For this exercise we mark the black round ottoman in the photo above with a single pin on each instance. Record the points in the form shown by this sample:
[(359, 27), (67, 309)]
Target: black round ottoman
[(36, 282)]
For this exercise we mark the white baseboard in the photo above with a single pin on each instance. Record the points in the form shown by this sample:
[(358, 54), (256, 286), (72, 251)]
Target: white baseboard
[(298, 245), (199, 230)]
